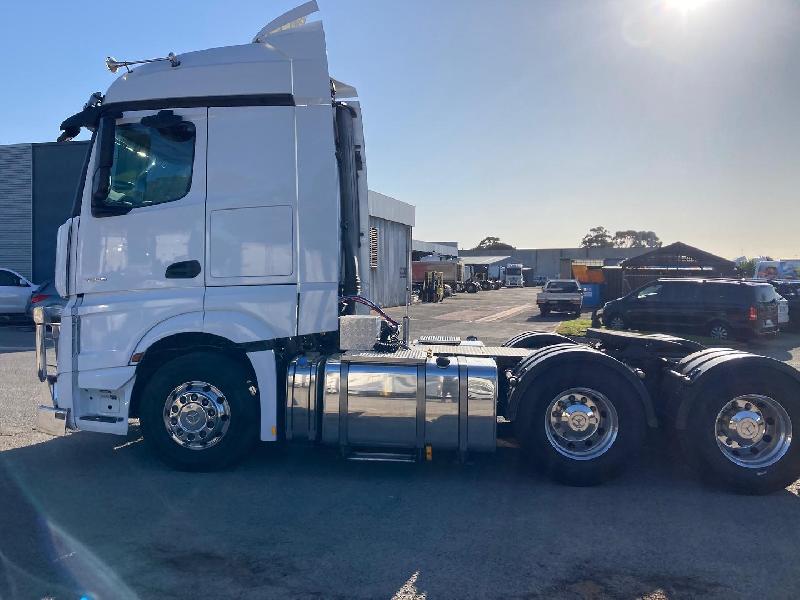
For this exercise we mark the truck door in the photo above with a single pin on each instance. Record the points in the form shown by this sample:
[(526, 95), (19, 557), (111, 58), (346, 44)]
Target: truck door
[(141, 243)]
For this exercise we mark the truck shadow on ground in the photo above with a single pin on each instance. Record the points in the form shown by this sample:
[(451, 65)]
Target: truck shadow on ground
[(90, 514)]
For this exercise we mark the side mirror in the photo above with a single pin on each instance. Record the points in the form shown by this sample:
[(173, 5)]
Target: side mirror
[(101, 180)]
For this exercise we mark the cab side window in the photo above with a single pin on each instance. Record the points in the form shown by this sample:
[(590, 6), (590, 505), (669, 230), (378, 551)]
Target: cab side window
[(152, 164)]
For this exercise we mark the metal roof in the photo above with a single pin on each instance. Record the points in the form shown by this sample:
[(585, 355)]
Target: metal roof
[(390, 209), (483, 260)]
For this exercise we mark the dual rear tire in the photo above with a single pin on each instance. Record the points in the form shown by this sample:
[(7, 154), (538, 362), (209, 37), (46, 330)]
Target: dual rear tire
[(738, 432), (581, 426)]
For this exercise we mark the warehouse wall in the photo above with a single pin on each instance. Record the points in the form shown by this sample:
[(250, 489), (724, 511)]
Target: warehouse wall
[(16, 221), (387, 285), (56, 175)]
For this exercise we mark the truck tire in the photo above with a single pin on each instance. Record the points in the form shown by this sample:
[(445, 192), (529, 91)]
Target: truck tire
[(544, 310), (740, 439), (581, 426), (198, 412)]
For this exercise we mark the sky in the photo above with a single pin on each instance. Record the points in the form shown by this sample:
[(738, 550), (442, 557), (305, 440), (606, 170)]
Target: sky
[(528, 120)]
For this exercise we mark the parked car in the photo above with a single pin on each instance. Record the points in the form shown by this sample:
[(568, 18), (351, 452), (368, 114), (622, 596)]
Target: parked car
[(47, 297), (560, 295), (15, 291), (720, 308), (539, 281), (791, 291)]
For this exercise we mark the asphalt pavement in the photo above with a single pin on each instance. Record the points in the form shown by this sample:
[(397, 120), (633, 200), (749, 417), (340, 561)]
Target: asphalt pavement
[(96, 516)]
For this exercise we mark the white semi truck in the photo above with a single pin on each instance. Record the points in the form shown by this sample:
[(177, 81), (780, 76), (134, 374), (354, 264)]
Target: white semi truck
[(214, 262), (514, 275)]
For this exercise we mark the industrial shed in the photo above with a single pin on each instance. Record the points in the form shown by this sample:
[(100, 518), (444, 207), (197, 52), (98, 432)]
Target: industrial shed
[(390, 224), (674, 260), (38, 183)]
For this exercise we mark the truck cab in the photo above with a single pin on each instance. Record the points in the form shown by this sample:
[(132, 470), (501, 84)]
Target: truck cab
[(514, 275)]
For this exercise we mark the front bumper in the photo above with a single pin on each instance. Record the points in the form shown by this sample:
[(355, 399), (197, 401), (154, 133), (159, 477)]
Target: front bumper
[(49, 419), (52, 420)]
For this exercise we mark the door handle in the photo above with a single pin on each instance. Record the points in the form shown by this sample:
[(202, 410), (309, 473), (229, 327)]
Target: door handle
[(185, 269)]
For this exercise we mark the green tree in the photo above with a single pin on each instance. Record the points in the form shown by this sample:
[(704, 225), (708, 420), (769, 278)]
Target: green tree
[(598, 237), (492, 243), (630, 238)]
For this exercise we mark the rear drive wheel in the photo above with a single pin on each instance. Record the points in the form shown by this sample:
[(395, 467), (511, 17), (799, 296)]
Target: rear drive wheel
[(198, 412), (739, 432), (544, 310), (581, 426), (719, 330)]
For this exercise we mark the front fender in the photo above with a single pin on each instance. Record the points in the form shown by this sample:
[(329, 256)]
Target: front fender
[(235, 326)]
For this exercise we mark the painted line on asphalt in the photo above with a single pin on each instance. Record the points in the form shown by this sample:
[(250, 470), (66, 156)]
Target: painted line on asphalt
[(504, 314)]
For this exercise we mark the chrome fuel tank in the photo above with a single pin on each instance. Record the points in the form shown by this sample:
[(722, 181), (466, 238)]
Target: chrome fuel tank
[(409, 402)]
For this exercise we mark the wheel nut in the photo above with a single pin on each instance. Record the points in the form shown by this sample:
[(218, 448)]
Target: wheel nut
[(204, 402), (183, 399), (190, 436), (211, 412), (210, 424), (174, 421)]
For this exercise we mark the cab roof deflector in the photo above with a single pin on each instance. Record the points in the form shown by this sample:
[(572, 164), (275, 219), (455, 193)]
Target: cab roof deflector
[(288, 20)]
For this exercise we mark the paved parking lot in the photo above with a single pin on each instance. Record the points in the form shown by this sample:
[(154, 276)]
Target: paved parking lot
[(98, 516)]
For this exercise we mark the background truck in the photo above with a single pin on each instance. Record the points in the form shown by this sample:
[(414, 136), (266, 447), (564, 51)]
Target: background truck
[(560, 295), (213, 271), (514, 275)]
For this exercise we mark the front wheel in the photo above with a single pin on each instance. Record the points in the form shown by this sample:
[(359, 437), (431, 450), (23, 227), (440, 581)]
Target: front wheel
[(739, 432), (199, 413), (617, 321), (582, 426)]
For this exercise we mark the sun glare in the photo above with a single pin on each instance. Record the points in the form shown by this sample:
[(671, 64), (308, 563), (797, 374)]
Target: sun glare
[(684, 7)]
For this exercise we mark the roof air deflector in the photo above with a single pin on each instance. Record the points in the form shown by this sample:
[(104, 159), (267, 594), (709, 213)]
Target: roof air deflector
[(288, 20)]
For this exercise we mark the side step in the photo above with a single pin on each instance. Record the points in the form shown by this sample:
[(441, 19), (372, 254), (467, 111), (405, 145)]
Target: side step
[(100, 419), (399, 457)]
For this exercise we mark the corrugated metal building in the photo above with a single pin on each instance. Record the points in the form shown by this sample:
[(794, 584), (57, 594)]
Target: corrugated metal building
[(38, 183), (390, 224), (547, 262)]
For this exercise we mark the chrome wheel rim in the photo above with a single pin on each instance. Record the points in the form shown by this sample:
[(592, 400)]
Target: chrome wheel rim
[(719, 332), (581, 424), (753, 431), (196, 415), (617, 323)]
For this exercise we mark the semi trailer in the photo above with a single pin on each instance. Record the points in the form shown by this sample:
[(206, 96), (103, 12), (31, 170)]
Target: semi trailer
[(214, 271)]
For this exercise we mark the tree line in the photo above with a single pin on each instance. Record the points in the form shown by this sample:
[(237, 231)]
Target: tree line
[(600, 237)]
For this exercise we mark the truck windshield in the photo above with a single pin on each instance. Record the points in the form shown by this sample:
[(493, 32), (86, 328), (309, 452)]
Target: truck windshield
[(566, 287), (151, 165), (515, 271)]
